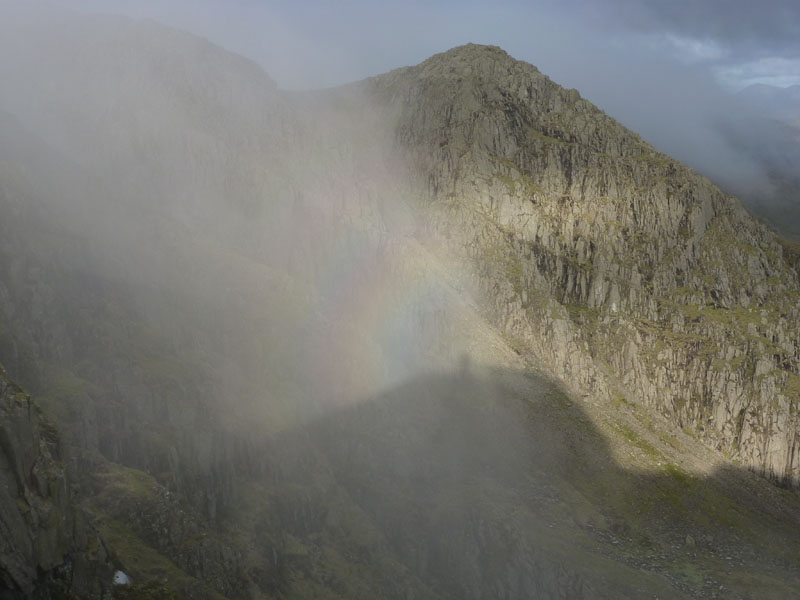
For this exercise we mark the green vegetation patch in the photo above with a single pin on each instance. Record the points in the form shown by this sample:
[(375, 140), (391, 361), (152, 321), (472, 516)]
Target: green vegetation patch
[(792, 387), (140, 560), (128, 482), (151, 590), (791, 253), (636, 440)]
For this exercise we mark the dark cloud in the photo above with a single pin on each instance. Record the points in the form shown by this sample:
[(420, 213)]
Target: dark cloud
[(744, 27)]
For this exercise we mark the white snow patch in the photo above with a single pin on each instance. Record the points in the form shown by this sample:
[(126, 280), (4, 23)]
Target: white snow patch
[(121, 578)]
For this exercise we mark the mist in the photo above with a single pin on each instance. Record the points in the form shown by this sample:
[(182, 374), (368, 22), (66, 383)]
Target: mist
[(670, 75), (281, 222), (204, 276), (294, 321)]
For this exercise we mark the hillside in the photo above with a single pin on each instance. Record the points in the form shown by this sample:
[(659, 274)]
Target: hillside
[(449, 332), (628, 274)]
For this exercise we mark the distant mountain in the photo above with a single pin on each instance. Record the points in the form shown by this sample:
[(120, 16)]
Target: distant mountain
[(447, 332), (781, 103), (767, 133)]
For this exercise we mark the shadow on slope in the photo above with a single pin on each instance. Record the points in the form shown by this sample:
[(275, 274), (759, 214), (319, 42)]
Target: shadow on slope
[(497, 485)]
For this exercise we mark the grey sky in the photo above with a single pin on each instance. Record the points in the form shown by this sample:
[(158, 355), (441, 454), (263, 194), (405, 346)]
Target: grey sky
[(742, 27), (314, 43), (739, 41)]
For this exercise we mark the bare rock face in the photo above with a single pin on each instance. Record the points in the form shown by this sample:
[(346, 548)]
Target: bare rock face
[(46, 548), (625, 272)]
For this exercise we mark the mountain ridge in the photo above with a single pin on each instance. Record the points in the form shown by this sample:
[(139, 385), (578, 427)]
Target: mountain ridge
[(654, 222)]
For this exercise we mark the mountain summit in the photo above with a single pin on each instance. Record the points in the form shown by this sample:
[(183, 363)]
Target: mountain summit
[(447, 332), (631, 276)]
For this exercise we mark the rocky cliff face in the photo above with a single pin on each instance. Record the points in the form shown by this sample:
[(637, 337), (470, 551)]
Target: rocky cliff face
[(625, 272), (47, 550)]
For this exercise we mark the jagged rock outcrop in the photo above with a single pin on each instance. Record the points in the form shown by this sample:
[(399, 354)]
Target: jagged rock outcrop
[(624, 271), (47, 550)]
